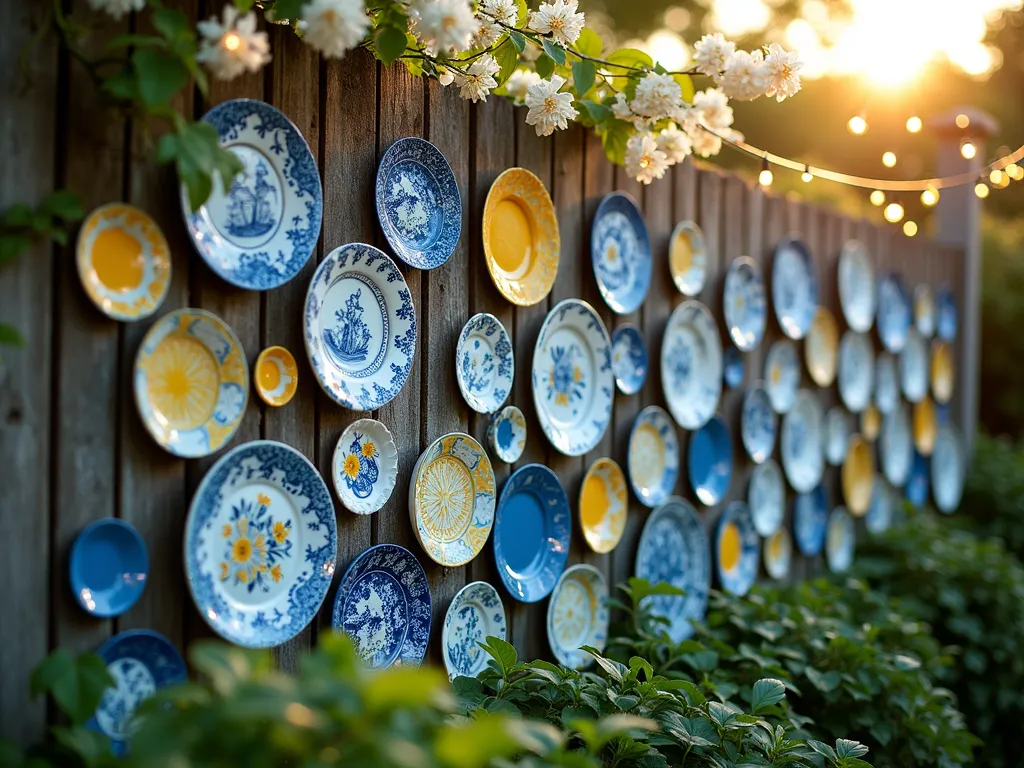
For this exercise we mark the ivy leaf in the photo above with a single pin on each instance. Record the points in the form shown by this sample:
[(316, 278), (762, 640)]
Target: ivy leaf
[(554, 51), (822, 749), (11, 336), (848, 748), (507, 57), (583, 73), (390, 43), (544, 66), (504, 653), (767, 692), (518, 40), (159, 75), (589, 43), (64, 204)]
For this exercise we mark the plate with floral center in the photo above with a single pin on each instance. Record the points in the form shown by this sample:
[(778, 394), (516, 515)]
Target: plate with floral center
[(894, 313), (578, 615), (887, 385), (745, 303), (620, 252), (858, 476), (917, 481), (507, 434), (484, 363), (687, 258), (733, 368), (810, 520), (108, 567), (913, 367), (840, 541), (276, 376), (737, 548), (943, 371), (896, 446), (948, 469), (821, 349), (653, 456), (629, 358), (883, 504), (475, 613), (926, 424), (946, 322), (856, 371), (837, 435), (691, 365), (782, 375), (709, 461), (856, 279), (794, 287), (766, 496), (365, 466), (603, 505), (924, 310), (778, 554), (803, 456), (759, 424)]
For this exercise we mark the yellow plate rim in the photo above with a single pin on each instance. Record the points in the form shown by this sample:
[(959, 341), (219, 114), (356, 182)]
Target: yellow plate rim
[(289, 392), (821, 374), (613, 466), (851, 480)]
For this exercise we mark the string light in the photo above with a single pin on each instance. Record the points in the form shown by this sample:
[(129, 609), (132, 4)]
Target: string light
[(857, 125), (981, 189), (766, 177), (877, 197), (909, 228), (914, 124), (930, 196), (962, 121), (1015, 172), (232, 41), (893, 212), (807, 176), (968, 150), (999, 178), (889, 159)]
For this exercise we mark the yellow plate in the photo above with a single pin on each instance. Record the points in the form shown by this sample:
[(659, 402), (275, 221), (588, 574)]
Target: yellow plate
[(687, 259), (943, 372), (870, 422), (925, 426), (603, 505), (858, 476), (521, 243), (821, 350), (123, 261), (276, 376)]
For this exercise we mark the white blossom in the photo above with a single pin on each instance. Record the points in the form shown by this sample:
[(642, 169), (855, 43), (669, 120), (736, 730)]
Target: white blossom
[(714, 109), (492, 14), (644, 161), (519, 83), (621, 107), (445, 76), (676, 144), (232, 45), (746, 77), (560, 19), (443, 26), (549, 109), (657, 96), (479, 79), (334, 27), (711, 53), (117, 8), (705, 143), (783, 69)]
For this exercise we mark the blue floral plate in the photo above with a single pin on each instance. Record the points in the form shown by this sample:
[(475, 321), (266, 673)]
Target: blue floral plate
[(917, 481), (578, 615), (946, 323), (737, 548), (759, 424), (691, 365), (653, 456), (507, 434), (108, 566), (914, 367), (782, 375), (484, 363), (810, 520), (732, 367), (894, 313), (745, 303), (766, 497), (629, 359), (476, 613), (794, 287), (620, 250), (709, 460), (840, 541), (856, 375), (837, 435), (803, 453), (365, 466)]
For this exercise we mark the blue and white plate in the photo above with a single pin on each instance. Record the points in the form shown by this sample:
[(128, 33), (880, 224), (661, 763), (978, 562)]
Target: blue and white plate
[(709, 460), (778, 554), (653, 456), (837, 435), (383, 604), (840, 541), (917, 481), (803, 456), (887, 385), (259, 233), (674, 548), (360, 327), (737, 548), (896, 446), (794, 287), (365, 466), (883, 505), (532, 528), (260, 544), (810, 520), (629, 358), (108, 567), (687, 258), (620, 250), (782, 375), (691, 365), (946, 324), (948, 469), (915, 367), (507, 434), (141, 662), (476, 613), (766, 496), (578, 615), (856, 377), (745, 303), (573, 383), (856, 279), (894, 313), (924, 310), (733, 368), (418, 203), (484, 363), (759, 424)]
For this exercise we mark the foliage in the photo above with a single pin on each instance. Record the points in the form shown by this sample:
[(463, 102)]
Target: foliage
[(994, 492)]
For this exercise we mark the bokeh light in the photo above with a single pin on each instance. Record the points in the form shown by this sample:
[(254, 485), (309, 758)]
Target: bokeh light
[(877, 197), (889, 159), (914, 124), (893, 212), (909, 228)]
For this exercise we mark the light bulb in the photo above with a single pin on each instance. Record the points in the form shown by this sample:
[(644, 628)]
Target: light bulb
[(930, 196), (981, 189), (1015, 171), (914, 124), (962, 121), (968, 150), (857, 125), (909, 228), (893, 212), (766, 177), (232, 41), (807, 176), (889, 159), (877, 197)]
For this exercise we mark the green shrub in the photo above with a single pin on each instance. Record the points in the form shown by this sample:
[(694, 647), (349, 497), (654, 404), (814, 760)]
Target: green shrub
[(993, 503)]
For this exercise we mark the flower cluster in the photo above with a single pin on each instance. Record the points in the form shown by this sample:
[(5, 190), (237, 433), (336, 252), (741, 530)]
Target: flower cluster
[(744, 75)]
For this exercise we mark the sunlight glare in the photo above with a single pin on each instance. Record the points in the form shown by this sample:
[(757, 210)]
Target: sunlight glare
[(736, 18), (668, 49)]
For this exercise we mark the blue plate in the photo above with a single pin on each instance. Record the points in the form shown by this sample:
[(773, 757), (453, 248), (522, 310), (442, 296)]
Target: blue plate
[(917, 481), (737, 549), (141, 662), (653, 456), (709, 459), (620, 250), (484, 363), (418, 203), (883, 505), (745, 303), (947, 320), (759, 424), (732, 367), (476, 613), (531, 532), (261, 232), (383, 604), (803, 443), (810, 520), (794, 287), (629, 359), (109, 566), (894, 313)]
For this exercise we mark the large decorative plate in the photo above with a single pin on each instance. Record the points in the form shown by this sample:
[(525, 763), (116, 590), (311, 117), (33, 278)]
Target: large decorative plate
[(837, 435), (418, 203), (259, 233), (896, 446), (123, 261), (531, 532), (484, 363), (883, 505), (856, 280), (687, 258), (913, 367), (653, 456), (603, 505), (946, 325), (573, 383), (451, 499), (887, 385), (191, 382), (766, 496), (475, 613), (737, 548), (894, 313), (383, 604), (276, 376), (810, 518), (691, 365), (365, 466), (360, 327), (778, 554), (858, 476), (794, 287), (839, 541), (943, 372), (924, 310), (629, 358), (948, 469), (803, 457), (782, 375), (674, 548), (821, 348), (620, 251), (917, 481), (578, 615), (521, 242), (759, 424), (856, 370), (926, 425), (507, 434), (709, 460), (260, 544), (745, 303)]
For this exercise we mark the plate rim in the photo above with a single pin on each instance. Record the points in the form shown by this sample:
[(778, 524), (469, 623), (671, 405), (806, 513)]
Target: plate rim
[(738, 263), (671, 469), (472, 400), (392, 455), (635, 216), (568, 657)]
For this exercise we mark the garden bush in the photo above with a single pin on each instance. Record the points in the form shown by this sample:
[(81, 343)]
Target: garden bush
[(993, 502)]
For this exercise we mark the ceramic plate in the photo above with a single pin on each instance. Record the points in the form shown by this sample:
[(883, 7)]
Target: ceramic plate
[(887, 385), (261, 541), (758, 423), (620, 252), (924, 310), (732, 367), (794, 287), (810, 518), (948, 469), (191, 382), (276, 376), (839, 541), (894, 313), (578, 615), (629, 359), (259, 233), (782, 375), (383, 604), (917, 481), (913, 367), (745, 303), (778, 554), (943, 372), (418, 203), (653, 456), (507, 434), (451, 499), (946, 324), (484, 363), (942, 415), (687, 258), (803, 457), (475, 613), (573, 384), (856, 371), (883, 503), (691, 365), (108, 567), (896, 446), (870, 422), (531, 532), (856, 286), (674, 548), (521, 242), (737, 548), (603, 505), (365, 466), (858, 476), (766, 496), (837, 435), (926, 424), (821, 350), (123, 261), (709, 460)]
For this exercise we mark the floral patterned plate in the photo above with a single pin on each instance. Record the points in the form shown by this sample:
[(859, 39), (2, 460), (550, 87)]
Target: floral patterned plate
[(484, 363), (629, 358), (578, 615), (894, 313), (778, 554), (687, 258), (691, 365), (620, 251), (943, 372), (759, 424), (365, 466), (948, 469), (821, 349), (653, 456), (782, 375), (839, 541), (856, 371), (858, 476), (837, 435), (603, 505), (924, 310), (946, 323), (913, 367), (276, 376), (709, 461), (507, 434), (766, 496), (794, 287), (896, 446), (745, 303), (810, 520), (887, 385), (475, 613), (856, 279), (737, 550), (803, 457)]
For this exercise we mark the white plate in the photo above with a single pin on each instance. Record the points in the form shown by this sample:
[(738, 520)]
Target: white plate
[(896, 446), (794, 287), (802, 435), (365, 466), (759, 424), (691, 365), (484, 363), (476, 613), (914, 367), (578, 615), (653, 456), (745, 303), (782, 375), (837, 435), (887, 385), (883, 505), (894, 313), (620, 251), (856, 370), (687, 258), (857, 286), (839, 541), (924, 310), (778, 554), (766, 496), (948, 469)]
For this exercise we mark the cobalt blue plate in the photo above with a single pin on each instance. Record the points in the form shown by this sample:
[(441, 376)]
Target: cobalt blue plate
[(629, 359), (737, 549), (109, 565), (947, 321), (732, 367), (894, 313), (810, 520), (917, 481), (620, 251), (794, 287), (709, 459)]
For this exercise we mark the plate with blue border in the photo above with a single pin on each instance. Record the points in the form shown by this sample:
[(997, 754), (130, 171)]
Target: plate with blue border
[(855, 276), (620, 251), (794, 287), (709, 461), (108, 567), (887, 385), (856, 375), (894, 313), (691, 365), (733, 368), (766, 497), (896, 446), (629, 358), (475, 613), (364, 467), (578, 615), (782, 375), (948, 469), (759, 424), (745, 303), (840, 541), (484, 363), (946, 320), (653, 456), (810, 520), (802, 449), (917, 481), (506, 434), (737, 549)]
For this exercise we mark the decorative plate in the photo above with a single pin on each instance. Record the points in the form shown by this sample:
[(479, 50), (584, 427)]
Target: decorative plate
[(383, 604), (484, 363), (782, 375), (261, 232), (736, 546), (507, 434), (896, 446), (946, 324), (687, 258), (794, 287), (894, 313), (943, 372), (365, 466), (858, 476), (691, 365), (821, 349), (451, 499), (856, 370), (360, 327), (418, 203), (883, 502), (141, 662), (620, 251), (109, 564), (758, 423), (778, 554), (629, 359), (803, 457), (603, 505), (837, 435), (191, 382), (732, 367), (521, 242), (745, 303), (766, 496), (948, 469), (531, 532), (913, 367), (261, 541), (674, 548), (475, 613), (917, 481), (123, 261), (276, 376), (709, 460), (810, 518), (870, 422), (924, 310), (839, 541), (653, 456), (926, 424), (578, 615), (942, 415), (573, 383), (856, 286), (887, 385)]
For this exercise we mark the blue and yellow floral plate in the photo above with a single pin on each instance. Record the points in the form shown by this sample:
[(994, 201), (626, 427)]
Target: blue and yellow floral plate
[(856, 280), (604, 504), (653, 456), (948, 469), (620, 251), (821, 348), (782, 375), (484, 363), (365, 466), (759, 424), (857, 479), (946, 322), (778, 554), (856, 371), (794, 287), (942, 371), (629, 358), (276, 376), (687, 258), (840, 540), (896, 446), (810, 520), (507, 434), (691, 365), (745, 303), (475, 613), (709, 461), (803, 455), (894, 313), (766, 497), (926, 424), (578, 615), (737, 549)]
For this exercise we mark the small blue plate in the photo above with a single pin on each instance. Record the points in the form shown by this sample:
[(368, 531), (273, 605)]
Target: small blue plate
[(620, 251), (759, 424), (109, 566), (484, 363), (947, 321), (810, 520), (531, 532), (737, 549), (733, 367), (894, 313), (629, 359), (709, 459), (917, 481), (745, 303), (794, 287), (476, 613)]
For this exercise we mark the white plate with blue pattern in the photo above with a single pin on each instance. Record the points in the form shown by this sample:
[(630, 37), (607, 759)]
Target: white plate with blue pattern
[(476, 613), (856, 377), (894, 313), (261, 231), (733, 367), (803, 456), (914, 367), (887, 385), (620, 251), (745, 303), (896, 446), (948, 469), (794, 287), (782, 375), (653, 456), (484, 363), (506, 434), (365, 466), (840, 540), (629, 358), (691, 365), (810, 520), (737, 549), (578, 615), (766, 496), (759, 424), (946, 321), (260, 544), (883, 505), (837, 435), (856, 279), (360, 327)]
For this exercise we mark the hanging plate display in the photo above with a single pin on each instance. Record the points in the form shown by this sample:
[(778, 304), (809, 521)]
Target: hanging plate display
[(948, 469), (365, 466), (709, 460), (883, 502), (578, 616), (732, 367), (691, 365), (821, 349), (629, 359), (858, 476), (475, 613), (837, 435), (737, 549), (924, 310), (766, 496), (782, 375), (484, 363), (778, 554), (803, 457), (870, 423), (887, 386), (758, 423), (917, 481), (108, 567), (507, 434), (896, 446), (794, 287), (620, 251), (946, 323), (894, 313), (913, 367), (856, 286), (839, 541), (603, 505), (943, 372), (810, 518), (856, 371), (653, 456), (744, 302), (276, 376), (261, 232), (926, 424), (687, 258), (261, 542)]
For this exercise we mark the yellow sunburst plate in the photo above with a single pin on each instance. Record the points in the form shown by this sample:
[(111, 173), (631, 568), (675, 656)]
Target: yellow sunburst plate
[(821, 349), (943, 372), (858, 475), (276, 376), (603, 505)]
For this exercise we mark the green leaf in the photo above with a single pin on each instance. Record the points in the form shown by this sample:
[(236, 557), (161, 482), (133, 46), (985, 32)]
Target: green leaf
[(629, 60), (166, 148), (597, 112), (160, 75), (10, 336), (507, 57), (824, 682), (686, 85), (288, 9), (404, 687), (121, 85), (389, 43), (77, 685), (12, 245), (589, 43), (64, 204), (822, 749), (504, 653), (522, 14), (171, 23), (475, 743), (118, 42), (544, 66), (720, 713), (583, 74), (614, 669), (554, 51), (84, 742), (244, 6), (518, 40), (767, 692), (614, 139), (703, 661), (635, 662), (18, 215), (848, 748), (693, 694)]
